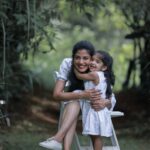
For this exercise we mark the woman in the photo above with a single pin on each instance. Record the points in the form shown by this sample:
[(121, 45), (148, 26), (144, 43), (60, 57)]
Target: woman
[(81, 58)]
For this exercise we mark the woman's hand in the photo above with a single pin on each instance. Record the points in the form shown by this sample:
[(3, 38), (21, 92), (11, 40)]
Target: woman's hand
[(98, 104), (101, 104), (91, 94)]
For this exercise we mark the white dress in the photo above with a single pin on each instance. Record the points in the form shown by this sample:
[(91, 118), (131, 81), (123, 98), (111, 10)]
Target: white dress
[(96, 122), (63, 75)]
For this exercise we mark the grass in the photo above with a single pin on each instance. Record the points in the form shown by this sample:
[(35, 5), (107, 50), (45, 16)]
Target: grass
[(22, 140), (29, 141), (133, 143), (26, 135)]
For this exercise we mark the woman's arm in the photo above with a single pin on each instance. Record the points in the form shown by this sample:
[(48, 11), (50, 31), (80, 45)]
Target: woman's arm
[(96, 101), (90, 76), (60, 95), (62, 76), (99, 103)]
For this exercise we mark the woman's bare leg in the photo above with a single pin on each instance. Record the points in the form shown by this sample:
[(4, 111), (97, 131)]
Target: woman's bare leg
[(68, 125), (69, 136), (97, 142)]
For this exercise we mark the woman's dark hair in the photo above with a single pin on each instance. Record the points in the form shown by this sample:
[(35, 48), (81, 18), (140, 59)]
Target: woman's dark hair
[(108, 73), (74, 82)]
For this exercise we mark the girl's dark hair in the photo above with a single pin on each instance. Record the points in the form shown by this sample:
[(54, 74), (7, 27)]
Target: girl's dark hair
[(108, 73), (74, 82)]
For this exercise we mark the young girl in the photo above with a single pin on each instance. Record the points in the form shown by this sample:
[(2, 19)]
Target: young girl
[(101, 77)]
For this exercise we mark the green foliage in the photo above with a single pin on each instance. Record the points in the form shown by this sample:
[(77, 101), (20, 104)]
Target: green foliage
[(105, 32), (32, 28), (23, 26), (137, 18)]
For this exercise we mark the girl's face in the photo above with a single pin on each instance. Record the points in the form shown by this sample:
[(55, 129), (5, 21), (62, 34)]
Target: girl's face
[(82, 60), (97, 64)]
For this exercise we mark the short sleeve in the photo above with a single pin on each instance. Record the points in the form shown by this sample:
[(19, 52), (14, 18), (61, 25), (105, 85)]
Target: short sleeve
[(64, 69), (113, 102)]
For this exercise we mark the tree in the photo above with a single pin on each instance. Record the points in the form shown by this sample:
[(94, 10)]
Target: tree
[(137, 16), (23, 25)]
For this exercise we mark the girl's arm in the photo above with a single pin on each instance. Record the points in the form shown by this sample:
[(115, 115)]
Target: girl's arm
[(90, 76)]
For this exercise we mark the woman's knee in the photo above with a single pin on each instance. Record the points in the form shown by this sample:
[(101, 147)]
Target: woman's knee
[(75, 105)]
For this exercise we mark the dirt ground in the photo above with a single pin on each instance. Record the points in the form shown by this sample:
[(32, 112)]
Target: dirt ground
[(41, 107)]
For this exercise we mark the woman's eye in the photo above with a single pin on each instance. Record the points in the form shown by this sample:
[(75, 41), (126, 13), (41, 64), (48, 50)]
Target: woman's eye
[(86, 58), (77, 57)]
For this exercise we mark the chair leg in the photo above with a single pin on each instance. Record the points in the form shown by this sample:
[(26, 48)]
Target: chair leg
[(76, 141), (61, 114), (8, 121), (114, 138)]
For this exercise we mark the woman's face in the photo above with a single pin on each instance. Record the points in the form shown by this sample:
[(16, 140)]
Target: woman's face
[(82, 60)]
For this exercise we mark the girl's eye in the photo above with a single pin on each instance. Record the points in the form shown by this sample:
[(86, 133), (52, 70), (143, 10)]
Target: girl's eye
[(97, 61), (100, 61)]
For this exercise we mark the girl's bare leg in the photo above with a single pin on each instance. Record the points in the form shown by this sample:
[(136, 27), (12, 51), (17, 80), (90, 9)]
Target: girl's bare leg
[(97, 142), (68, 125)]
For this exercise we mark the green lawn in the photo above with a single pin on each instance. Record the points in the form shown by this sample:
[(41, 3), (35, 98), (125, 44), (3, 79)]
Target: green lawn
[(130, 143), (27, 135)]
